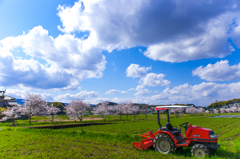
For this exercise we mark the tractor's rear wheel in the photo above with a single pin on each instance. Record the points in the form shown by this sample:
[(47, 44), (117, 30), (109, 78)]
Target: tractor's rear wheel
[(200, 151), (164, 144)]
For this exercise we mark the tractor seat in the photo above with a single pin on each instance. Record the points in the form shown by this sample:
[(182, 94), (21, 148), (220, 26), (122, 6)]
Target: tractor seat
[(170, 129), (169, 126)]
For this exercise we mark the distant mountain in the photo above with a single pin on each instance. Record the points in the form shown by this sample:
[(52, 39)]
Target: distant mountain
[(20, 101)]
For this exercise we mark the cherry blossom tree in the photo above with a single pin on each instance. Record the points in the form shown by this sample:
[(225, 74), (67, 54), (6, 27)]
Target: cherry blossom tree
[(201, 110), (239, 109), (76, 109), (119, 109), (176, 111), (215, 111), (234, 109), (11, 114), (52, 111), (135, 110), (34, 105), (173, 111), (128, 108), (145, 110), (192, 110), (207, 111), (222, 110), (103, 110), (228, 110)]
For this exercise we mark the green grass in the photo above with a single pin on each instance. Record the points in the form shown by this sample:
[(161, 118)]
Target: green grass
[(108, 141)]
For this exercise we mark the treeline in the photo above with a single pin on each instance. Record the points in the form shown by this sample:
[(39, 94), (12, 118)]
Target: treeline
[(222, 103)]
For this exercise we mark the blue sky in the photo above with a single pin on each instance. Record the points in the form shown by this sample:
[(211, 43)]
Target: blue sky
[(155, 52)]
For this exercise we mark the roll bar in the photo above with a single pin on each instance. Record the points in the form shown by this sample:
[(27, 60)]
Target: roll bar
[(167, 107)]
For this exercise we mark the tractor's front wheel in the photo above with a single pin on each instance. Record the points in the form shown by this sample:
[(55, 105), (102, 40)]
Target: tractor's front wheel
[(164, 144), (200, 151)]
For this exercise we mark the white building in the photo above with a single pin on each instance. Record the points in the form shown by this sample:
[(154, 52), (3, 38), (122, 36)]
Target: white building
[(6, 100)]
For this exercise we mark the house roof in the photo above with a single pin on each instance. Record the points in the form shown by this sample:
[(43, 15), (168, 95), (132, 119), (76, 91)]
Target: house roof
[(10, 103), (6, 97)]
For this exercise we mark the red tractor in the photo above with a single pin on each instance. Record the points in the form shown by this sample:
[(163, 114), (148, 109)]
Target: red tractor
[(168, 139)]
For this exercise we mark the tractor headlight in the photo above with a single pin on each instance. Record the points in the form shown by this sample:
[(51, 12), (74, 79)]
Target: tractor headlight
[(212, 134)]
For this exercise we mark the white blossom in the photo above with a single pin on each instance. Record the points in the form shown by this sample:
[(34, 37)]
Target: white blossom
[(34, 105), (103, 109), (52, 111), (215, 111), (76, 108), (11, 114)]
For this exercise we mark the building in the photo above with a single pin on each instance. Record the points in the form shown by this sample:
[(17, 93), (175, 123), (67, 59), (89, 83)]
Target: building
[(231, 105), (6, 101), (237, 105)]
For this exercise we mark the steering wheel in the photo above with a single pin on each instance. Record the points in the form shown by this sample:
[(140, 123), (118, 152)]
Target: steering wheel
[(184, 125)]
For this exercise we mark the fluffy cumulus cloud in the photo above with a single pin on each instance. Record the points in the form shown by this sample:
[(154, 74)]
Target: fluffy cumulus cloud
[(201, 94), (154, 80), (64, 61), (23, 92), (141, 90), (113, 91), (47, 97), (17, 93), (219, 71), (134, 70), (172, 31), (79, 96), (96, 100), (150, 79)]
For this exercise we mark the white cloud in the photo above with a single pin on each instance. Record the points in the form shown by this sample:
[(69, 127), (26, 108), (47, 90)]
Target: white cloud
[(131, 89), (172, 31), (47, 97), (211, 43), (121, 100), (67, 60), (219, 71), (134, 70), (79, 96), (142, 91), (22, 93), (113, 91), (17, 93), (96, 100), (201, 94), (154, 80)]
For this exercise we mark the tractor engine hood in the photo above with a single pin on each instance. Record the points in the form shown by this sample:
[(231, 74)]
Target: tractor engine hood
[(200, 134)]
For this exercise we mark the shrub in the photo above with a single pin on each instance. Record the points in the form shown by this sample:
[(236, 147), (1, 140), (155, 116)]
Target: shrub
[(2, 109)]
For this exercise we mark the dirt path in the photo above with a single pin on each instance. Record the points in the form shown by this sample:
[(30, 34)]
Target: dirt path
[(84, 119)]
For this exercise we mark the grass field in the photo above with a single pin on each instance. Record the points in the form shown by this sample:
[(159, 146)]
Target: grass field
[(108, 141)]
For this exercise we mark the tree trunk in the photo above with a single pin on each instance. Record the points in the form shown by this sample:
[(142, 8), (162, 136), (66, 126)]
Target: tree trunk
[(146, 116), (52, 119), (13, 123), (29, 117), (120, 116), (80, 118)]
